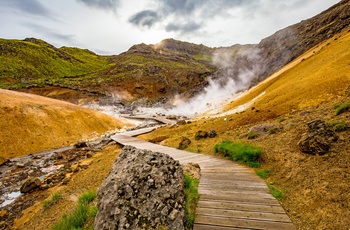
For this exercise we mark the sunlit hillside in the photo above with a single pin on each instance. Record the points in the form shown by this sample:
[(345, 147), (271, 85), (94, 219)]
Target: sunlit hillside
[(314, 187), (31, 123)]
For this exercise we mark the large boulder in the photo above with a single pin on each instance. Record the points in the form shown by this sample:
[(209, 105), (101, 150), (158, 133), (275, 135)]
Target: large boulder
[(144, 190), (30, 184), (318, 138)]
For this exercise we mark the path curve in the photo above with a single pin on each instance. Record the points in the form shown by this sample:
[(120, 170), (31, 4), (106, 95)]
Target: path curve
[(232, 195)]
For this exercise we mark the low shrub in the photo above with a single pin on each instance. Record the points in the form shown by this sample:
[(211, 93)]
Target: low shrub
[(339, 109), (191, 200), (240, 152)]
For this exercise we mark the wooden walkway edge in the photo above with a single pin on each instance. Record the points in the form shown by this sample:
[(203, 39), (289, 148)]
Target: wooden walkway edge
[(232, 195)]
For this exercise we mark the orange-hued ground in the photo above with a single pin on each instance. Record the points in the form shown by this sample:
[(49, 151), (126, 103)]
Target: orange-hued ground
[(31, 123)]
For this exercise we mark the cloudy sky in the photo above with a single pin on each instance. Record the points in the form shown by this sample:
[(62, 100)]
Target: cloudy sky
[(112, 26)]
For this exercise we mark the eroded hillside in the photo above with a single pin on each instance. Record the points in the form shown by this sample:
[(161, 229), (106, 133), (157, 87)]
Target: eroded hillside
[(31, 123)]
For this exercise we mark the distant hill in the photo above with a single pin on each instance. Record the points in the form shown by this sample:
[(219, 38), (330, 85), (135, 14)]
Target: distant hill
[(144, 71)]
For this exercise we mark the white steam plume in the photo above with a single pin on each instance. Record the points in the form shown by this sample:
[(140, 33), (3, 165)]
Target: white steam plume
[(222, 89)]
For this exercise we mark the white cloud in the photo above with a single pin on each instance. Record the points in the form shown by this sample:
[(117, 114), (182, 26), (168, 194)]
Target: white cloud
[(103, 25)]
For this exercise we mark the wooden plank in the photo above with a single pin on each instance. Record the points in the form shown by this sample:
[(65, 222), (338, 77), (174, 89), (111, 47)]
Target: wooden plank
[(240, 206), (242, 223), (213, 227), (241, 199), (278, 217)]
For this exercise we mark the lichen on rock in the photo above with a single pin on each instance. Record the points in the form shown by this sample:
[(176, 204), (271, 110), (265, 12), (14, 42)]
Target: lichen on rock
[(144, 190)]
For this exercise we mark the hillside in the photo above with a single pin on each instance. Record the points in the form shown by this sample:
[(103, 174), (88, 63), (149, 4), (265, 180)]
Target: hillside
[(285, 45), (31, 123), (314, 187), (153, 71)]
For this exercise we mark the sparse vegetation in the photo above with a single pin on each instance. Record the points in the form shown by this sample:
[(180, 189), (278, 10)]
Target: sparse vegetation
[(276, 192), (263, 173), (281, 119), (54, 198), (191, 199), (339, 109), (240, 152), (339, 126), (82, 217), (252, 135)]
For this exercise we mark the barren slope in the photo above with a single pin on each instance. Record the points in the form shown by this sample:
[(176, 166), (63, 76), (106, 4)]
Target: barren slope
[(31, 123)]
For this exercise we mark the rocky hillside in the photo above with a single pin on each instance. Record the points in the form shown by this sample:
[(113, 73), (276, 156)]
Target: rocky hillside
[(275, 51), (31, 123), (154, 72)]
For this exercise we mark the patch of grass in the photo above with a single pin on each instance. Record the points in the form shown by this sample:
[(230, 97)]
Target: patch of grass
[(191, 199), (54, 199), (339, 109), (87, 197), (263, 173), (240, 152), (252, 135), (339, 126), (281, 119), (276, 192), (273, 130), (82, 217)]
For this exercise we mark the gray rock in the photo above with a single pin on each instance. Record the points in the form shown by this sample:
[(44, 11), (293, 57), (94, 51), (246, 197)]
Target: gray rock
[(30, 184), (144, 190)]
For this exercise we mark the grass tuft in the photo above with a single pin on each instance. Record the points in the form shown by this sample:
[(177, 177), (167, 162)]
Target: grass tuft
[(276, 192), (82, 217), (54, 199), (339, 109), (263, 173), (191, 200), (339, 126), (240, 152)]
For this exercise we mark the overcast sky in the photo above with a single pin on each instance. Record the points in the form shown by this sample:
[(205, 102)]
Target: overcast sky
[(112, 26)]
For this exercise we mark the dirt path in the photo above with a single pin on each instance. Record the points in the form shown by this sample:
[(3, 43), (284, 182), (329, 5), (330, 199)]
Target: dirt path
[(232, 196)]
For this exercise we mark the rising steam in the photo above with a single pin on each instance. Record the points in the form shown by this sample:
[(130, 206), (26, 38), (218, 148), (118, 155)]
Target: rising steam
[(223, 88)]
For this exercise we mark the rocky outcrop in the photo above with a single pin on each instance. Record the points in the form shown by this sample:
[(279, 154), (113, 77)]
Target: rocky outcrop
[(184, 143), (30, 184), (318, 138), (144, 190), (201, 134)]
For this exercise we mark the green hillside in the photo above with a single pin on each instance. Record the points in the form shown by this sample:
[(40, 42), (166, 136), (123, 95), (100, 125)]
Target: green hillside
[(35, 63)]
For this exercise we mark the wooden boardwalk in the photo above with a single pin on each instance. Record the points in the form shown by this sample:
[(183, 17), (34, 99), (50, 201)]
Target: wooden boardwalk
[(232, 195)]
